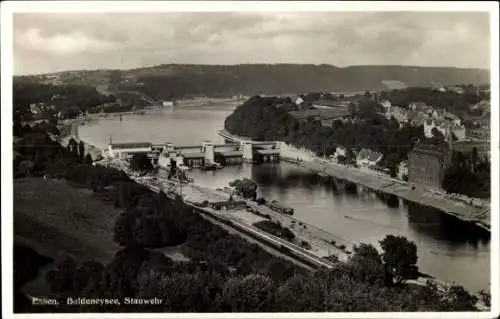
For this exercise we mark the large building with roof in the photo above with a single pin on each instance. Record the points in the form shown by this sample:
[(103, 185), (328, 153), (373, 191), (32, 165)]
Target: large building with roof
[(427, 165), (321, 114), (127, 150), (368, 158)]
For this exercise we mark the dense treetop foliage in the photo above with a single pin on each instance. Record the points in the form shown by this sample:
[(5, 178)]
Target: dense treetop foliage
[(245, 187), (468, 174)]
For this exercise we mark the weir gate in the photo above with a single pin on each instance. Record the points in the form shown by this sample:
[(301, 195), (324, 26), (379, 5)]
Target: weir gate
[(200, 155)]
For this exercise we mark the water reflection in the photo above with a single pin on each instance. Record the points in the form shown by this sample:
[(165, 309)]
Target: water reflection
[(441, 226)]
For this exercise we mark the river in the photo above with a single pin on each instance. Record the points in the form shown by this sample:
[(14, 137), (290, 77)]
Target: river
[(448, 248)]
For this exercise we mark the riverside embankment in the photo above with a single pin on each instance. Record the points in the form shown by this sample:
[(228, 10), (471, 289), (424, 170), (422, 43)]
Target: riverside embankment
[(422, 196), (383, 183)]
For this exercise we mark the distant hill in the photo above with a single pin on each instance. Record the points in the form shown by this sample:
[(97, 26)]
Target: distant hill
[(176, 80)]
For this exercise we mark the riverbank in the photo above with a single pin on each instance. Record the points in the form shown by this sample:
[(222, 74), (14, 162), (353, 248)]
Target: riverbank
[(382, 183), (422, 196)]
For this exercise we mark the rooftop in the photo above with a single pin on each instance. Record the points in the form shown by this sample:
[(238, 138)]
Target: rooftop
[(131, 145), (322, 113), (366, 154), (439, 150)]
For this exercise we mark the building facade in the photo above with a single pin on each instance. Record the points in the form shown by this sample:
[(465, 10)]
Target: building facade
[(427, 165), (367, 158), (127, 150)]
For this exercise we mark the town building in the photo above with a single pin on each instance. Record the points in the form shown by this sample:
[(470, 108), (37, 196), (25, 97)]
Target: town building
[(403, 169), (386, 106), (340, 151), (427, 165), (327, 115), (483, 105), (418, 106), (167, 103), (416, 118), (438, 113), (127, 150), (444, 126), (399, 114), (367, 158)]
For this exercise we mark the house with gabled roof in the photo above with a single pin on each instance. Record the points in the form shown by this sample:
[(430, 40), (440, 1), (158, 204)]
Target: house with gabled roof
[(367, 158)]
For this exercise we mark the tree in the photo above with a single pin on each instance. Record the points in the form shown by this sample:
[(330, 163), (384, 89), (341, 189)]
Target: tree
[(302, 294), (81, 150), (368, 109), (474, 158), (88, 278), (73, 147), (368, 266), (485, 297), (350, 156), (437, 134), (61, 278), (279, 270), (245, 187), (26, 167), (173, 168), (141, 162), (252, 293), (400, 256), (18, 128), (123, 231), (88, 159), (393, 171), (458, 299)]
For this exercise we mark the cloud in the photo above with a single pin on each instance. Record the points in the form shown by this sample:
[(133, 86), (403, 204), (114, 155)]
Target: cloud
[(128, 40), (63, 43)]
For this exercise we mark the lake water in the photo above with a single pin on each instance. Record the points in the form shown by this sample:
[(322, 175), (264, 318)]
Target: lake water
[(448, 248)]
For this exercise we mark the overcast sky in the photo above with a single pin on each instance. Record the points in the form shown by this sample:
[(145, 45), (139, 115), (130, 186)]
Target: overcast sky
[(63, 41)]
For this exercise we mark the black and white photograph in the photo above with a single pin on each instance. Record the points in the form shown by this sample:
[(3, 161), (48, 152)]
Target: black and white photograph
[(266, 158)]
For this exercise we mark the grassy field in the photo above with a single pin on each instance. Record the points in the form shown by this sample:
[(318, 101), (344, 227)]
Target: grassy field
[(57, 219)]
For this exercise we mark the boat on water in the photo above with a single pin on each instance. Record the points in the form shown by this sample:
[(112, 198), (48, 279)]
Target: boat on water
[(280, 208)]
